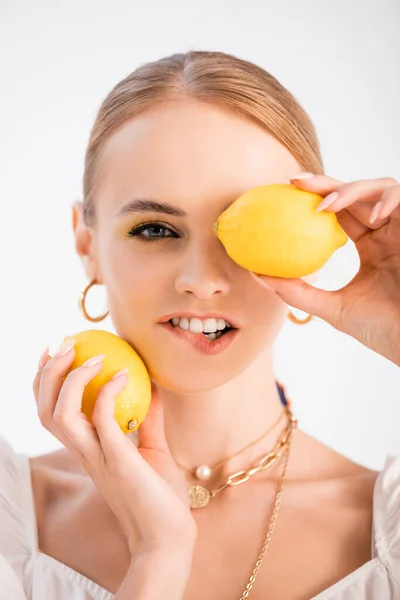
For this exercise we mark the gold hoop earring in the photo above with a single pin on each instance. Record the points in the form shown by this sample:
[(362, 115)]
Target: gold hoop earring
[(82, 306), (294, 319)]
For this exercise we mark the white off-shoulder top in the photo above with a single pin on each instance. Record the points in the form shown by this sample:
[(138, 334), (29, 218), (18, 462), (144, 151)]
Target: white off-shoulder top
[(27, 574)]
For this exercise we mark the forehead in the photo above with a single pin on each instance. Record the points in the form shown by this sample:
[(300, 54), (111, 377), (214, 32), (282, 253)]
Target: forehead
[(189, 151)]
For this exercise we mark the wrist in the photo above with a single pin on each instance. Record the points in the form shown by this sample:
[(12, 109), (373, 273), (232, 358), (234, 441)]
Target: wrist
[(179, 553), (178, 543), (158, 573)]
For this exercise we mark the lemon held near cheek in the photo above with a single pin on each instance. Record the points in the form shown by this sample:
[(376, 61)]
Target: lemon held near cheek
[(133, 402), (275, 230)]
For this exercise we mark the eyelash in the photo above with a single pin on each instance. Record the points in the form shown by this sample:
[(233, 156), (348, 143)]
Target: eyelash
[(137, 230)]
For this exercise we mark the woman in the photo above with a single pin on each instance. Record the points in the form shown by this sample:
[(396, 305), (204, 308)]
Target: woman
[(173, 145)]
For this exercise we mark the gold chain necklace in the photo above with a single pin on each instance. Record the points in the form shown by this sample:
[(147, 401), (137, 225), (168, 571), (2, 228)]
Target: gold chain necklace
[(271, 527), (204, 472), (199, 496)]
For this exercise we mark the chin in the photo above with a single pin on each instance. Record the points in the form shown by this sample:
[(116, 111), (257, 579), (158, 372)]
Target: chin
[(179, 366), (192, 385), (195, 377)]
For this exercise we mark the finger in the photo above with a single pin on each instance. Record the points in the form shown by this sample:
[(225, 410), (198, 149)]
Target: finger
[(319, 184), (339, 195), (68, 414), (151, 433), (48, 383), (44, 359), (113, 441), (299, 294), (387, 205), (351, 225), (366, 190), (355, 224)]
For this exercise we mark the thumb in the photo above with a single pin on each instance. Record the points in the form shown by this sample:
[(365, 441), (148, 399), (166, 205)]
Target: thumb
[(301, 295), (151, 433)]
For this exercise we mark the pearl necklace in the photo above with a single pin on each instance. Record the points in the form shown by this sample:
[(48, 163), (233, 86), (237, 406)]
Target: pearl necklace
[(200, 496), (204, 472)]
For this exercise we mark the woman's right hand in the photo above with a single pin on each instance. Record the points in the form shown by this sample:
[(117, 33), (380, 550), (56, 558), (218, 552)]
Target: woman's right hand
[(143, 486)]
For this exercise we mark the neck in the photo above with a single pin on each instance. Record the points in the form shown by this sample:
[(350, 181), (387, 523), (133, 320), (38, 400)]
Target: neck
[(205, 428)]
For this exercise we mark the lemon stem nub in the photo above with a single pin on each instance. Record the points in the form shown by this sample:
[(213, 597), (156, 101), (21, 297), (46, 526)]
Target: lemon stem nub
[(215, 227)]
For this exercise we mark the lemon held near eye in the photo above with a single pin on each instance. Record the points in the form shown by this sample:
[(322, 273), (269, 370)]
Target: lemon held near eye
[(275, 230), (133, 402)]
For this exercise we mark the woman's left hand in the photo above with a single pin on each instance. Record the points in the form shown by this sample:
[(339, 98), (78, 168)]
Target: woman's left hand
[(368, 307)]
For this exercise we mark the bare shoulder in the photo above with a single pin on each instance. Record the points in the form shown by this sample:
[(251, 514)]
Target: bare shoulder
[(319, 465), (62, 463), (327, 461), (56, 477), (60, 486), (59, 461), (59, 472)]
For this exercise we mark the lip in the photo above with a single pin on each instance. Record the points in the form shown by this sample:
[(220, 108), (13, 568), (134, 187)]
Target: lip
[(192, 315), (199, 342)]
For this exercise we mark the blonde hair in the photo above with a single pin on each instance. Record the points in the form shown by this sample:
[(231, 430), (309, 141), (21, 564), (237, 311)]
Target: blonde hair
[(212, 77)]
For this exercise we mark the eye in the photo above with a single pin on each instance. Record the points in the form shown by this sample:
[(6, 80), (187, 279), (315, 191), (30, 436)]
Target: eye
[(155, 231)]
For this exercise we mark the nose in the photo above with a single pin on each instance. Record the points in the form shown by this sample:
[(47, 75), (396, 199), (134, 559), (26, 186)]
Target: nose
[(203, 271)]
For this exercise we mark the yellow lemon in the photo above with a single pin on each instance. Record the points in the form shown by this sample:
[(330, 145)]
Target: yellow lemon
[(275, 230), (133, 402)]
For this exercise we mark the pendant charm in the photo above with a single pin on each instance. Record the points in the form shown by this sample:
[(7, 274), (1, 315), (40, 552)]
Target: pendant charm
[(198, 496), (203, 472)]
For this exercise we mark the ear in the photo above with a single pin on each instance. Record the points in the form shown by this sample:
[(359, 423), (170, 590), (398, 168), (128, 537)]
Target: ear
[(84, 243)]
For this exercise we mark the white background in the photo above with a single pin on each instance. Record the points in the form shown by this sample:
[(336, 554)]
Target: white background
[(340, 59)]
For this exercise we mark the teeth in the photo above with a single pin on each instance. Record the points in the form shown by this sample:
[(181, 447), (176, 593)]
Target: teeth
[(221, 324), (196, 325), (184, 323)]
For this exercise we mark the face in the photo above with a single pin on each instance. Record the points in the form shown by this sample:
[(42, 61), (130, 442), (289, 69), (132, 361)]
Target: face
[(198, 159)]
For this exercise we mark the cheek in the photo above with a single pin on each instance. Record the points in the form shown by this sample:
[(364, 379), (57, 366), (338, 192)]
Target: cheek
[(268, 315), (264, 306), (134, 290), (133, 280), (265, 314)]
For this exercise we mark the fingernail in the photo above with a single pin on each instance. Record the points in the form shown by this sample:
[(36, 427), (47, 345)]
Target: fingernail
[(262, 282), (302, 176), (91, 362), (65, 348), (375, 212), (42, 359), (120, 373), (327, 201)]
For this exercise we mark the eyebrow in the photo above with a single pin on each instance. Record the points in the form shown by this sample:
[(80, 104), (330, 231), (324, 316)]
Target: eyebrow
[(142, 205)]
